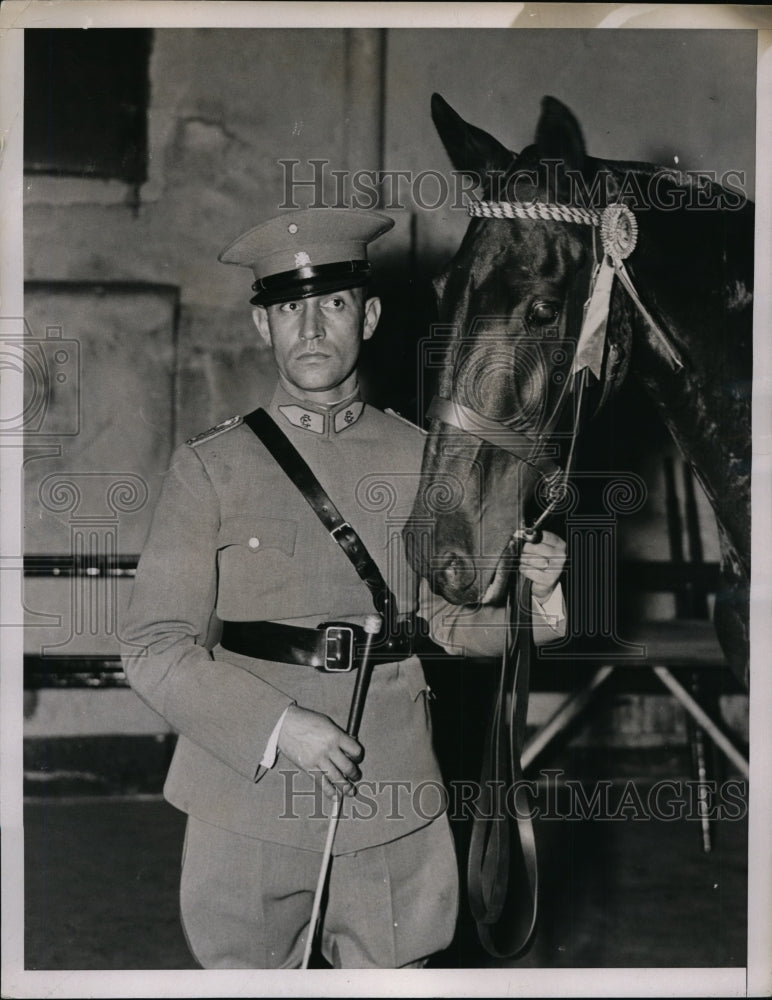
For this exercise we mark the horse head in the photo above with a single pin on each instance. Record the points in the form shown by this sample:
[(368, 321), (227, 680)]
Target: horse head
[(512, 299), (516, 303)]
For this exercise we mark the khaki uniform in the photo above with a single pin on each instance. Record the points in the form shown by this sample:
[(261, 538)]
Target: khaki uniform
[(232, 539)]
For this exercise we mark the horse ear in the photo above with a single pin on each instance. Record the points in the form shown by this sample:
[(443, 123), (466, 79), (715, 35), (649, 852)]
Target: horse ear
[(471, 150), (558, 135)]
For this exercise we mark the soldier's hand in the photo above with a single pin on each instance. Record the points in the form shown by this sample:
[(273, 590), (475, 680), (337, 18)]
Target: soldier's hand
[(324, 750), (543, 563)]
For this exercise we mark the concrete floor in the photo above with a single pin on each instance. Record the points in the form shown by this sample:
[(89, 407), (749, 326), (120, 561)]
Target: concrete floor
[(102, 874)]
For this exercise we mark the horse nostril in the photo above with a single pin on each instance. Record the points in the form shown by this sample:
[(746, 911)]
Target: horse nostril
[(457, 572)]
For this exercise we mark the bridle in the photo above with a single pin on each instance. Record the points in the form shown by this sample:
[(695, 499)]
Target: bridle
[(618, 235), (502, 873)]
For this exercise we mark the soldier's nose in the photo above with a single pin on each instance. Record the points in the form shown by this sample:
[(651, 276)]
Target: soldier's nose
[(311, 328)]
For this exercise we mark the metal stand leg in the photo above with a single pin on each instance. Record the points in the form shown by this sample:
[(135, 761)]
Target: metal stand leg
[(703, 719), (574, 705), (700, 770)]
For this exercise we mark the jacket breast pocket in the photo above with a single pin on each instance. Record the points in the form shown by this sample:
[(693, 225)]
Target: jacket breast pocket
[(258, 533), (255, 561)]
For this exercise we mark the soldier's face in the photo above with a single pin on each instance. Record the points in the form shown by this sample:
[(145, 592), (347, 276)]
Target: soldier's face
[(316, 341)]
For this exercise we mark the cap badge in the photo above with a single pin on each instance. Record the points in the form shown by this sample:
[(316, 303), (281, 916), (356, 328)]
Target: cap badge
[(302, 259)]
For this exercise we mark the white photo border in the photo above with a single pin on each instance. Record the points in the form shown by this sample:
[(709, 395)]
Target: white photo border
[(756, 979)]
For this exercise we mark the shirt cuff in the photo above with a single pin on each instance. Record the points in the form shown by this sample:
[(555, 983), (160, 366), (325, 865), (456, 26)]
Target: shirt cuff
[(272, 746), (552, 612)]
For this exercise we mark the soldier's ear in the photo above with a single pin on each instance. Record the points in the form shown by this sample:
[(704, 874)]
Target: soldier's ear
[(260, 319), (372, 315)]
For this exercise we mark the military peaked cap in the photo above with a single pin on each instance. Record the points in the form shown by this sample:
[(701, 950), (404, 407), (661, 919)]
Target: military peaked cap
[(307, 252)]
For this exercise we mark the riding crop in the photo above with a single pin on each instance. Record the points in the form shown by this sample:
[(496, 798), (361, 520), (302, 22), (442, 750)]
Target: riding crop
[(372, 627)]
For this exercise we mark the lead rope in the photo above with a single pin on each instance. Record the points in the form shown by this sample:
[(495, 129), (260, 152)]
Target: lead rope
[(558, 481), (502, 872), (502, 869)]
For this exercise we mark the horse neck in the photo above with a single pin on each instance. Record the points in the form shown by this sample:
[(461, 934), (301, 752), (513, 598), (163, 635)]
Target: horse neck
[(697, 261), (693, 271)]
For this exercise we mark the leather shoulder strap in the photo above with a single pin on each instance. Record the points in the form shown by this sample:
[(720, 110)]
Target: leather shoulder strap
[(297, 469)]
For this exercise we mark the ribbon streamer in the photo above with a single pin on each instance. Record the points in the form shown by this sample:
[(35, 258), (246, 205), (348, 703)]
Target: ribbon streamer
[(672, 354), (592, 337)]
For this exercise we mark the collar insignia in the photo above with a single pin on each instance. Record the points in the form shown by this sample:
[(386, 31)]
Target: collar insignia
[(308, 420), (317, 423), (347, 416)]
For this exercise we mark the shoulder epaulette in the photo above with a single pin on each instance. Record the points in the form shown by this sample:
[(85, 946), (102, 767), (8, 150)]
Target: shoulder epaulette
[(226, 425), (398, 416)]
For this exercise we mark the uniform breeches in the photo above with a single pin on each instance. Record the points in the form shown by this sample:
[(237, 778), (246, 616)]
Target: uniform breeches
[(246, 903)]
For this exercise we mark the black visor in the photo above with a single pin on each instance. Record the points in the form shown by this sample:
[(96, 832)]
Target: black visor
[(306, 282)]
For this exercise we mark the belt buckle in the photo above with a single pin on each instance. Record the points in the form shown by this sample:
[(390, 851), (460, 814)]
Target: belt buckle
[(338, 649), (342, 529)]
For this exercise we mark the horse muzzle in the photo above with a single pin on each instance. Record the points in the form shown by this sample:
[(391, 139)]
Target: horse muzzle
[(464, 579), (458, 572), (454, 578)]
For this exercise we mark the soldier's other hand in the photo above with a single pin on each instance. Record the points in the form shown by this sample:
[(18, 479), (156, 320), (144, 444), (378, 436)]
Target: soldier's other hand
[(543, 563), (322, 749)]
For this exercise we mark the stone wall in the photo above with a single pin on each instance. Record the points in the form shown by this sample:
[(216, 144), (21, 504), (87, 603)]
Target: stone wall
[(225, 106)]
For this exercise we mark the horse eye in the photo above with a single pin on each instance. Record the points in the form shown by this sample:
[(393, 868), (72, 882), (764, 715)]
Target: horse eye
[(542, 313)]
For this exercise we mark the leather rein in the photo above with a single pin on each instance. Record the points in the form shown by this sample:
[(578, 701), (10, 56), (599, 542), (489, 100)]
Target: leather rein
[(502, 871)]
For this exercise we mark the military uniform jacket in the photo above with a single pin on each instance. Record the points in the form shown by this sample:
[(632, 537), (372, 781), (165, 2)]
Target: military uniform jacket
[(233, 539)]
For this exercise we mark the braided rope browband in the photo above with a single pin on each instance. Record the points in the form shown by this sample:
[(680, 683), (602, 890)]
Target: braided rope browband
[(533, 210)]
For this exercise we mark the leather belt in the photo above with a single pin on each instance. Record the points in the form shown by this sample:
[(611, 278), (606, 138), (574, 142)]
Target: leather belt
[(332, 647)]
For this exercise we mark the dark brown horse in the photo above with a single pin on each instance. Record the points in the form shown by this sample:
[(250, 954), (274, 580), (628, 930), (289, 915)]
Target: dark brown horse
[(671, 305)]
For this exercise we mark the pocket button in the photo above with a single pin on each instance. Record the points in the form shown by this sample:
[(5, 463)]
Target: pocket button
[(254, 542)]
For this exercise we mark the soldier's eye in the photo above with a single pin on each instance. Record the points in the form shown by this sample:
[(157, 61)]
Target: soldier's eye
[(290, 306), (335, 303)]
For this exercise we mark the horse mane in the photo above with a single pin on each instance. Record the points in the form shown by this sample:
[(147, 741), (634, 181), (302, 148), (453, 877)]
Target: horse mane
[(732, 212), (689, 181), (686, 180)]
